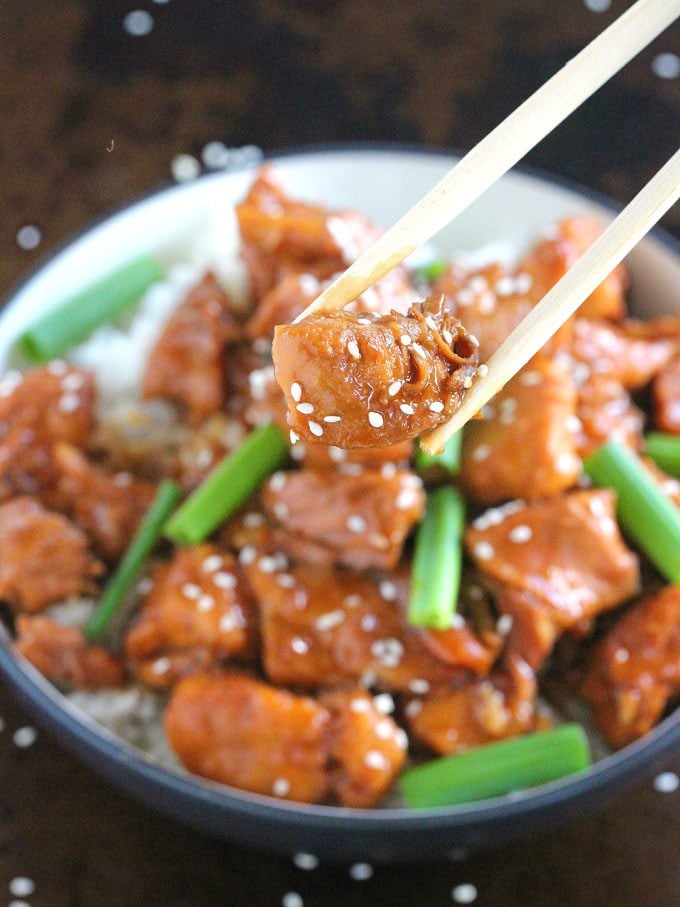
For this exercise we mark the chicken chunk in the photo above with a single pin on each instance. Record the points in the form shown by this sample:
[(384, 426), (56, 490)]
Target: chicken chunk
[(186, 364), (250, 735), (616, 351), (368, 749), (566, 552), (363, 381), (63, 656), (524, 447), (360, 521), (608, 300), (478, 713), (666, 392), (197, 613), (37, 410), (533, 629), (635, 669), (330, 627), (605, 410), (109, 507), (44, 558)]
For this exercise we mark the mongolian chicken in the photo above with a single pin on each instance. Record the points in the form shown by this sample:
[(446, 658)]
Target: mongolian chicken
[(314, 606)]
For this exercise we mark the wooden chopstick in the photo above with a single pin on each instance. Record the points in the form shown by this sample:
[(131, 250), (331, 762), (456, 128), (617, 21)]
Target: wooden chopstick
[(648, 206), (503, 147)]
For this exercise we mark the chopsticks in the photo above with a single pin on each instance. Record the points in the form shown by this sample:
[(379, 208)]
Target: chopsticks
[(648, 206), (503, 147)]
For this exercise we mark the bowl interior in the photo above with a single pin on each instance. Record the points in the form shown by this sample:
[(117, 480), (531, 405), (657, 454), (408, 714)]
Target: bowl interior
[(195, 221)]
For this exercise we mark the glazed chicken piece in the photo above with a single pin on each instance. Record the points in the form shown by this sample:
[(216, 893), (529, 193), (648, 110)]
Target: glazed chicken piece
[(63, 656), (255, 737), (358, 521), (109, 507), (282, 235), (250, 735), (368, 749), (331, 627), (44, 557), (186, 365), (666, 393), (491, 301), (615, 350), (524, 446), (533, 629), (364, 381), (565, 552), (635, 669), (38, 409), (605, 410), (197, 613), (480, 712)]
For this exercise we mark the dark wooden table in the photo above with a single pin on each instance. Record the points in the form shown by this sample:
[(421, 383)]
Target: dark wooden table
[(91, 115)]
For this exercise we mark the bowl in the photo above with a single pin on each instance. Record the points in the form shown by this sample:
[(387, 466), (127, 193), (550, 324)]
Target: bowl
[(383, 182)]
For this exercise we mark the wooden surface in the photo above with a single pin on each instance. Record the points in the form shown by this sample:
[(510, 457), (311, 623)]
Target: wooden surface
[(91, 116)]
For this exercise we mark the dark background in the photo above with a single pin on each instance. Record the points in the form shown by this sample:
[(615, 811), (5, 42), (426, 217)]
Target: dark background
[(91, 116)]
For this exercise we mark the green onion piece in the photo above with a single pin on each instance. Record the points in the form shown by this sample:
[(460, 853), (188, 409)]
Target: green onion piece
[(230, 484), (145, 538), (644, 511), (431, 271), (497, 768), (437, 558), (448, 461), (76, 318), (664, 450)]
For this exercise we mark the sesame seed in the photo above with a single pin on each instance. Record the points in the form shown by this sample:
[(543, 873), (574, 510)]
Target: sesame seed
[(375, 759), (281, 787), (406, 409), (368, 622), (431, 323), (666, 782), (483, 370), (21, 887), (417, 685), (504, 286), (293, 437), (666, 66), (473, 340), (384, 703), (315, 428), (184, 167), (394, 388), (356, 523), (464, 894), (28, 237), (329, 620), (205, 603), (73, 381), (531, 378), (401, 738), (353, 349), (191, 591), (465, 297), (266, 564), (521, 533), (360, 871), (413, 708), (484, 551), (375, 419), (69, 403), (299, 646), (597, 6), (405, 340), (292, 899), (504, 624), (144, 586), (337, 454), (252, 520), (296, 391), (524, 282), (305, 408), (448, 336), (305, 860), (161, 666), (388, 590), (363, 320), (138, 23), (457, 621), (24, 737), (481, 452), (621, 655), (352, 601), (389, 651), (281, 510), (437, 406), (467, 382), (212, 563), (247, 555), (56, 367), (298, 452), (332, 418), (285, 580), (389, 470)]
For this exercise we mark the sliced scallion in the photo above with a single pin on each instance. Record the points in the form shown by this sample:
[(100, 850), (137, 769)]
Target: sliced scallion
[(646, 513), (497, 768), (228, 486), (432, 271), (435, 571), (73, 320), (447, 462), (145, 538), (664, 450)]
